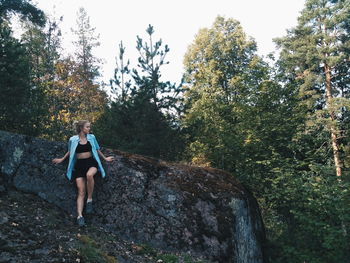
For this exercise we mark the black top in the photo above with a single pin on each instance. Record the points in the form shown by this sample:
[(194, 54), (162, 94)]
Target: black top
[(82, 148)]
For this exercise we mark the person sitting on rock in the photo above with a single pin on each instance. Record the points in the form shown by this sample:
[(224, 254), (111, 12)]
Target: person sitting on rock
[(84, 162)]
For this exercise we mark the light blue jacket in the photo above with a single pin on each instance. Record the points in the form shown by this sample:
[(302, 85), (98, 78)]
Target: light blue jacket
[(72, 146)]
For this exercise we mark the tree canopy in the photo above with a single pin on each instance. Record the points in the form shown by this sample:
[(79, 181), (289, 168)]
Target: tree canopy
[(280, 125)]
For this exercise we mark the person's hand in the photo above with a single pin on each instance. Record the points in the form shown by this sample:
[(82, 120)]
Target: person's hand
[(57, 160), (109, 159)]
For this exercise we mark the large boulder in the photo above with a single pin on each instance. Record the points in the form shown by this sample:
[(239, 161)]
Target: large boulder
[(203, 211)]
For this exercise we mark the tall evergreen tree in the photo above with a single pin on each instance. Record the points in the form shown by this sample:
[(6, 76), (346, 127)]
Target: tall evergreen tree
[(43, 48), (24, 8), (310, 216), (121, 83), (72, 91), (83, 72), (316, 54), (86, 41), (163, 95), (143, 115), (271, 130), (15, 86), (18, 113)]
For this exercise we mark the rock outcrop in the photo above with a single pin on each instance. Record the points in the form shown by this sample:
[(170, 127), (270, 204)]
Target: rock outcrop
[(169, 206)]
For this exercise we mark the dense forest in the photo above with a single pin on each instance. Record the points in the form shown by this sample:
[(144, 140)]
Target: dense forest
[(279, 124)]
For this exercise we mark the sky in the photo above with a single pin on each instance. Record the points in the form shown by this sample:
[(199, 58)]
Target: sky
[(175, 22)]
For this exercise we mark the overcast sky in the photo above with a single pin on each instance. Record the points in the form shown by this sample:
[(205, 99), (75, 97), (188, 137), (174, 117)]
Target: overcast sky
[(175, 22)]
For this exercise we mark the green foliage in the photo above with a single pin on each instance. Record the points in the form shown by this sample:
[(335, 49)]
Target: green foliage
[(148, 85), (311, 220), (21, 108), (268, 125), (16, 111), (145, 249), (271, 129), (169, 258), (142, 116), (314, 57), (121, 83), (22, 7), (225, 81), (42, 45), (70, 97), (86, 41), (172, 258), (71, 87), (43, 93), (91, 253)]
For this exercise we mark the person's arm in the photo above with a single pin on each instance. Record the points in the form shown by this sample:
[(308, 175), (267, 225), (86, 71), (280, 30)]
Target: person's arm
[(59, 160), (107, 159)]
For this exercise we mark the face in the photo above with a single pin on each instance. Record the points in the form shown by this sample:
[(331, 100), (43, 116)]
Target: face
[(86, 128)]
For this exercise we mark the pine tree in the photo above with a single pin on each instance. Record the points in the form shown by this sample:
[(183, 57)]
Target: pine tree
[(86, 41), (85, 71), (43, 46), (307, 202), (18, 113), (15, 86), (143, 114), (121, 83), (24, 8), (316, 53)]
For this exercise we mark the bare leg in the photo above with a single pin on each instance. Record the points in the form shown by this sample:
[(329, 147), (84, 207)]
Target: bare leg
[(81, 195), (90, 181)]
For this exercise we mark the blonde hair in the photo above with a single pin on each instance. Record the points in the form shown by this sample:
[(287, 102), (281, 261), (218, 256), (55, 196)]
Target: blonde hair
[(79, 125)]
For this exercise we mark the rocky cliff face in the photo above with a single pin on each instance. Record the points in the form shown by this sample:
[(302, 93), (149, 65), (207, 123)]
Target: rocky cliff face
[(205, 212)]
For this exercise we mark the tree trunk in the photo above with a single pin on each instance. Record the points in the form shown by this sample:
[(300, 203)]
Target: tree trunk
[(333, 129)]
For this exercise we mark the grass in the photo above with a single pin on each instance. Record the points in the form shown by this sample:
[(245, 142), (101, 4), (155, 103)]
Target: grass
[(172, 258), (168, 258), (145, 249), (91, 253)]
